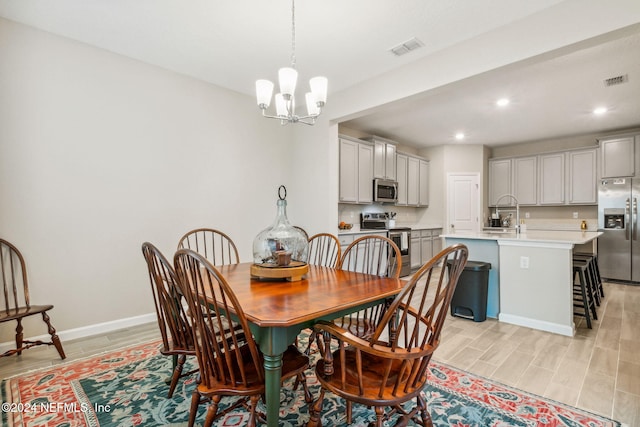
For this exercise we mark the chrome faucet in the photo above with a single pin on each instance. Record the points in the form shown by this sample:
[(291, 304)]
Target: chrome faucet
[(511, 196)]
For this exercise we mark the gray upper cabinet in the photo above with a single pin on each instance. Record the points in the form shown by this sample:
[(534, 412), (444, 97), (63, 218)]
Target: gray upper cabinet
[(582, 177), (525, 180), (384, 158), (413, 180), (499, 179), (551, 179), (617, 157), (356, 171), (401, 170), (423, 193), (561, 178)]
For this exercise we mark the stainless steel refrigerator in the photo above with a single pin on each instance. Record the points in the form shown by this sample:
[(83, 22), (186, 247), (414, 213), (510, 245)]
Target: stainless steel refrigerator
[(619, 247)]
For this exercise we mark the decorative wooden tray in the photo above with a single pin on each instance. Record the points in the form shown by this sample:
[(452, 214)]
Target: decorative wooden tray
[(292, 272)]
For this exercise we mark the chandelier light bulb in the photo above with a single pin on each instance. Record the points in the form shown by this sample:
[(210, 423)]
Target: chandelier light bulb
[(264, 90), (319, 89), (312, 104), (288, 77), (281, 105)]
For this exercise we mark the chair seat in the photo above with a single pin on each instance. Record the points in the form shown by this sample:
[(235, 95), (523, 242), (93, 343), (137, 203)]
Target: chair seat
[(19, 312), (293, 363), (370, 377)]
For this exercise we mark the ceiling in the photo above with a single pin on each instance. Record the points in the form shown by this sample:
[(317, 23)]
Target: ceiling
[(232, 43)]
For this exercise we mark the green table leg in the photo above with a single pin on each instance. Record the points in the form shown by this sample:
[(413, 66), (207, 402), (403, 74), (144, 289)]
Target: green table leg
[(272, 376)]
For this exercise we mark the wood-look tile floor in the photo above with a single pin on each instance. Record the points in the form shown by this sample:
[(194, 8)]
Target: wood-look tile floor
[(597, 370)]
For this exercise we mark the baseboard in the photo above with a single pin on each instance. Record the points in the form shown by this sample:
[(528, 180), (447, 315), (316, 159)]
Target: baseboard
[(556, 328), (87, 331)]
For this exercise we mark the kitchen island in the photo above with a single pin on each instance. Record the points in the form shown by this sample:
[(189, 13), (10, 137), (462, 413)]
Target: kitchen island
[(531, 276)]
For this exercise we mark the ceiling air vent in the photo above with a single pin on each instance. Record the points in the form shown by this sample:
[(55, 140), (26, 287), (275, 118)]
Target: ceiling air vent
[(616, 80), (406, 47)]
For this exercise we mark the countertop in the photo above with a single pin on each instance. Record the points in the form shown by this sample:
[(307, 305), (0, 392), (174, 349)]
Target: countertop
[(573, 237), (356, 228)]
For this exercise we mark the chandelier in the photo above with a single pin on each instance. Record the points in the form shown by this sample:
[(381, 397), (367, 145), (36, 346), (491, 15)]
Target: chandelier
[(285, 100)]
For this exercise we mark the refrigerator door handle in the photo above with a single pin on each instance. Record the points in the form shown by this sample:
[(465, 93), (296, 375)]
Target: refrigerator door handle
[(635, 218), (627, 228)]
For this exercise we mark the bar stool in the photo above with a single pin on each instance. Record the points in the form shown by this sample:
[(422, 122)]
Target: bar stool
[(582, 293), (594, 259), (591, 274)]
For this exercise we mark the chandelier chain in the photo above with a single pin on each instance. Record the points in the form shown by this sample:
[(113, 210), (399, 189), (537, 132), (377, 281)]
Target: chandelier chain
[(293, 34)]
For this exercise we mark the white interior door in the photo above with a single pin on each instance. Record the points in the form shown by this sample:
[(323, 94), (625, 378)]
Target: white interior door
[(463, 197)]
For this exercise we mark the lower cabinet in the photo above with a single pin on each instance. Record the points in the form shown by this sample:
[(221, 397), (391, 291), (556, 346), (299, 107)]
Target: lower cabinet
[(347, 238), (416, 257), (425, 244)]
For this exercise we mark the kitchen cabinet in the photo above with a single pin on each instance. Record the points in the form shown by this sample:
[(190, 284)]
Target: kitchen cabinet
[(436, 240), (525, 180), (401, 171), (423, 192), (582, 177), (552, 179), (346, 239), (416, 255), (499, 179), (548, 179), (413, 180), (425, 243), (618, 157), (426, 248), (384, 158), (356, 171)]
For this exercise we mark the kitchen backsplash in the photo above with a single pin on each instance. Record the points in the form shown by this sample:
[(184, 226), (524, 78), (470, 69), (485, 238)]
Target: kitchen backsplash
[(541, 218), (561, 224), (405, 216)]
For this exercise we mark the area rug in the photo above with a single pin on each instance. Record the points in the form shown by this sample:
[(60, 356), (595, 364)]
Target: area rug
[(127, 388)]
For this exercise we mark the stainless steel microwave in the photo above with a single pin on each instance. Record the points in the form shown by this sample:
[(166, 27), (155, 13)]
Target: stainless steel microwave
[(385, 191)]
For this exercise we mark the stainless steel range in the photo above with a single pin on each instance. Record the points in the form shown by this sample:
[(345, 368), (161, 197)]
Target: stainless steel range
[(401, 236)]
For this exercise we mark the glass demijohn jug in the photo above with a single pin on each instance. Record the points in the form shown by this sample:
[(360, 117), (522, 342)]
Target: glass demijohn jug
[(281, 244)]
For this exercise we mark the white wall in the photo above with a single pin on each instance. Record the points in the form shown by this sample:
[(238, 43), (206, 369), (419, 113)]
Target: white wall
[(99, 153)]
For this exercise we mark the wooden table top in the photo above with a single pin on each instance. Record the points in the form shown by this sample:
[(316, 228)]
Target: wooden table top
[(321, 292)]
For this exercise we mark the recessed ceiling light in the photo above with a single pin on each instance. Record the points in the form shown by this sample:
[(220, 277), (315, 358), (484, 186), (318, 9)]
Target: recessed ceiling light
[(502, 102), (459, 136), (600, 111)]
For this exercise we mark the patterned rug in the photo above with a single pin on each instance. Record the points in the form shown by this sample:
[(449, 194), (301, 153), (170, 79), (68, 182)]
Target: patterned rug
[(127, 388)]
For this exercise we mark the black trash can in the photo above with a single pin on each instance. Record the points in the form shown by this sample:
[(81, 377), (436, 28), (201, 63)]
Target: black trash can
[(470, 297)]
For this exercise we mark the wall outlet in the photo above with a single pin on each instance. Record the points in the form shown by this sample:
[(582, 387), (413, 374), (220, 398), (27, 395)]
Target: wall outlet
[(575, 215), (524, 262), (527, 215)]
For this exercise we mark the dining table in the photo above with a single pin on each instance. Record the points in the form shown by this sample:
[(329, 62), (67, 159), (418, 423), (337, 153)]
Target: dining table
[(278, 310)]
